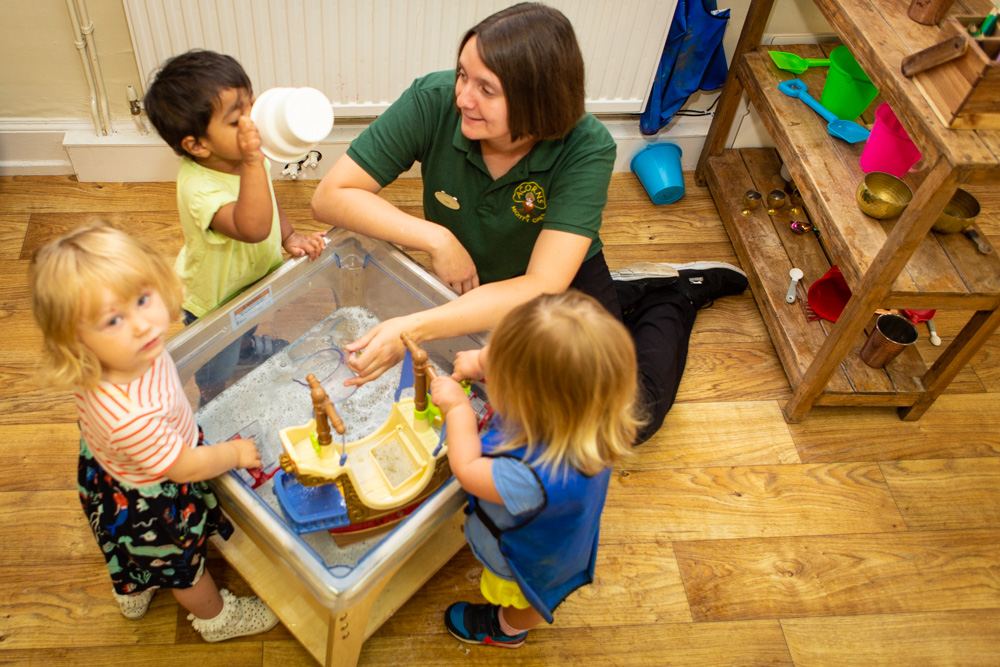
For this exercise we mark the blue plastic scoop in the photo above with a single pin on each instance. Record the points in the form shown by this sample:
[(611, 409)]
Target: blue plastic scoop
[(847, 130)]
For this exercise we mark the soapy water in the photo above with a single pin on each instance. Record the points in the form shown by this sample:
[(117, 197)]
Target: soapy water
[(395, 461), (275, 395), (330, 368)]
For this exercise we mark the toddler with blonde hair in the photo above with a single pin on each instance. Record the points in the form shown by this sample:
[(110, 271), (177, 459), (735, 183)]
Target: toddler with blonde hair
[(562, 378), (105, 302)]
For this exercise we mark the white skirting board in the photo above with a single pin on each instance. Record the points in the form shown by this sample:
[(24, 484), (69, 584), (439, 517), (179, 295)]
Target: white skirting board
[(129, 156), (71, 147), (31, 146)]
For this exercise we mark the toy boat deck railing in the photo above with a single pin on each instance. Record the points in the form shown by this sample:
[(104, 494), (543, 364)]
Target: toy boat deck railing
[(398, 464)]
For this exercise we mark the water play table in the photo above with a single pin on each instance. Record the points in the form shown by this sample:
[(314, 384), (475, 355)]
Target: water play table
[(330, 597)]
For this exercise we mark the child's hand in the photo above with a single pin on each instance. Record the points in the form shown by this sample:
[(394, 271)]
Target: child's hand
[(468, 366), (248, 140), (296, 244), (447, 394), (247, 455)]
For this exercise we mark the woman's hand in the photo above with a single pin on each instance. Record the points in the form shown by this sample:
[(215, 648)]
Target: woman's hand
[(469, 365), (380, 349), (447, 394), (346, 197), (452, 263), (296, 244)]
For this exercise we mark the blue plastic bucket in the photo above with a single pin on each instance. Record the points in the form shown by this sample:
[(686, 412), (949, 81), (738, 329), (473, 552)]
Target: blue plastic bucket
[(658, 167)]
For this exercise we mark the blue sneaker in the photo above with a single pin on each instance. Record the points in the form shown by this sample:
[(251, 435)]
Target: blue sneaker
[(478, 624)]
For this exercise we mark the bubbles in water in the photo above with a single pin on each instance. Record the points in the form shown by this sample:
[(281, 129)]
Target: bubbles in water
[(270, 396)]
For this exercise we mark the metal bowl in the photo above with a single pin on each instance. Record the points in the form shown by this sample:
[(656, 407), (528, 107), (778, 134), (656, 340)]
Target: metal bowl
[(958, 213), (882, 195)]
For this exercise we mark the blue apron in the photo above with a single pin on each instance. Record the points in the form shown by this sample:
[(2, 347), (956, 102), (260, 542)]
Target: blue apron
[(553, 552), (693, 59)]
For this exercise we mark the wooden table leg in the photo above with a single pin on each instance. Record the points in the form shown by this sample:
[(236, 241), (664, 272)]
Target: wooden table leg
[(732, 90), (910, 229), (347, 632), (334, 637), (271, 579), (952, 360)]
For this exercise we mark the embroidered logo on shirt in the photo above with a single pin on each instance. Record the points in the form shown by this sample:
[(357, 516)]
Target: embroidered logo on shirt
[(529, 202)]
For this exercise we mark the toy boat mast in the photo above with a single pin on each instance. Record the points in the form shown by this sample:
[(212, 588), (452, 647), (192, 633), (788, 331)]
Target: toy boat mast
[(324, 411), (421, 369), (381, 476)]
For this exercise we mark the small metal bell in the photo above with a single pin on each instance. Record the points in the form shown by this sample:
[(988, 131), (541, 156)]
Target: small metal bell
[(751, 200)]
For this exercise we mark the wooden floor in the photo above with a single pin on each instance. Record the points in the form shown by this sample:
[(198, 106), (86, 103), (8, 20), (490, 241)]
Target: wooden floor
[(730, 538)]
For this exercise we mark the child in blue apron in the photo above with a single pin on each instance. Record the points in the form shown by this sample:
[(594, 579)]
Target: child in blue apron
[(561, 374)]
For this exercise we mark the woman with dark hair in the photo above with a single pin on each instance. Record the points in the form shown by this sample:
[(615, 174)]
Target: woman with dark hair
[(515, 180)]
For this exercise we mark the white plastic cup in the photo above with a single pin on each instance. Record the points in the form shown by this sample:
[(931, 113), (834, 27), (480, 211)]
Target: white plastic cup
[(291, 122)]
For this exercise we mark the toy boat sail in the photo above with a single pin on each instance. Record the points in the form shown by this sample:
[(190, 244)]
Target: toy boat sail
[(382, 476)]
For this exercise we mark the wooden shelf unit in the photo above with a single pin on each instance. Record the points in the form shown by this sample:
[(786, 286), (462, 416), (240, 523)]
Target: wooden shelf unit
[(887, 264)]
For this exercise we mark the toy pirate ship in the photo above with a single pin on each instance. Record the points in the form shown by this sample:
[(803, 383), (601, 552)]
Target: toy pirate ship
[(367, 483)]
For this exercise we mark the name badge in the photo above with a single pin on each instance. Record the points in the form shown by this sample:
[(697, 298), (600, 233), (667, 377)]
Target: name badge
[(448, 200)]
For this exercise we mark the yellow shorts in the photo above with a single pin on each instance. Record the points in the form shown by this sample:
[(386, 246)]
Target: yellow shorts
[(503, 592)]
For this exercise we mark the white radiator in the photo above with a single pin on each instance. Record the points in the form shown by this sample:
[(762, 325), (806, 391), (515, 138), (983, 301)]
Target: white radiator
[(363, 53)]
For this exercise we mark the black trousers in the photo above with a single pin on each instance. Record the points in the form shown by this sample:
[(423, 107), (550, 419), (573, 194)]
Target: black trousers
[(660, 321)]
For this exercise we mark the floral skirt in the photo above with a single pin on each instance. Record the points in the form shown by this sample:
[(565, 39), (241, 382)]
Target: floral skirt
[(151, 536)]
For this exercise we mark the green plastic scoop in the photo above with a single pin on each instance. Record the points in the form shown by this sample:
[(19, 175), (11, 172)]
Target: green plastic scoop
[(793, 63)]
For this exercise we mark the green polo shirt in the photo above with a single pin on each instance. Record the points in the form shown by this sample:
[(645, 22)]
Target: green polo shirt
[(561, 184)]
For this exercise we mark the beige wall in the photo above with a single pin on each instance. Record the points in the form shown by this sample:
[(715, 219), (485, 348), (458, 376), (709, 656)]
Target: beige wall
[(789, 17), (42, 76)]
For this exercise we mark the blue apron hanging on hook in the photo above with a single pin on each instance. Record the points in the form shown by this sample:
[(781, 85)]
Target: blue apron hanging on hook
[(693, 59)]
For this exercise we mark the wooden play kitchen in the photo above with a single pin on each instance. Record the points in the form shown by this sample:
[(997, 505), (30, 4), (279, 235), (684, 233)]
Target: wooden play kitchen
[(960, 76), (331, 595), (888, 264)]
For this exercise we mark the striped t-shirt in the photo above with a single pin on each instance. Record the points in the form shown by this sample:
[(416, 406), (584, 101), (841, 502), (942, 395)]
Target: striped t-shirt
[(136, 430)]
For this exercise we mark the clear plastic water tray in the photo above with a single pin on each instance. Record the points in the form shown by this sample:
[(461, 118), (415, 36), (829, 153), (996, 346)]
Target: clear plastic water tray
[(316, 307)]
